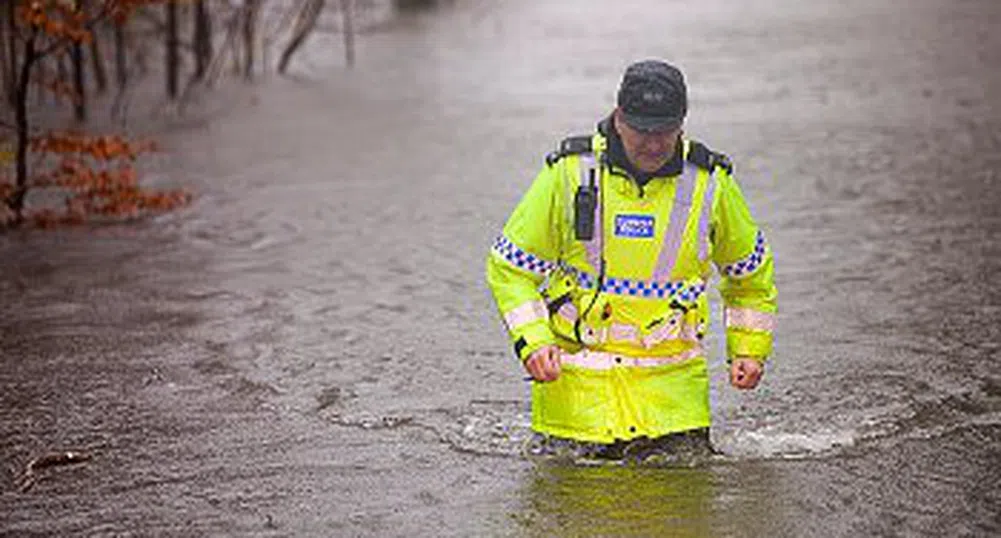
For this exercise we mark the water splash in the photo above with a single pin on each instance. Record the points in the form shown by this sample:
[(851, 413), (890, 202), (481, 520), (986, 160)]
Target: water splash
[(771, 443)]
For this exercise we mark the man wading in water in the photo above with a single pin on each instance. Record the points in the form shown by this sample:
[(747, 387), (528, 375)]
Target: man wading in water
[(600, 276)]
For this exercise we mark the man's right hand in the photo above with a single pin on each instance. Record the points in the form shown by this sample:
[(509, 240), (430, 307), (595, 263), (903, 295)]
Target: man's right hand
[(544, 363)]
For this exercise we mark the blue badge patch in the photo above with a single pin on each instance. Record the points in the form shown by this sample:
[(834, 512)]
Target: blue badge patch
[(634, 226)]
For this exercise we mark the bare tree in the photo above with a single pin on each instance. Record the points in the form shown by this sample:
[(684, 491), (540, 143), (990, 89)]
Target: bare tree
[(251, 8), (347, 12), (8, 52), (16, 202), (79, 74), (228, 45), (121, 60), (304, 25), (173, 54), (121, 71), (97, 62), (203, 39)]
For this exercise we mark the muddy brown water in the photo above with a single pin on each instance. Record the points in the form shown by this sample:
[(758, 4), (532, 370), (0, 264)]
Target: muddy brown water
[(310, 350)]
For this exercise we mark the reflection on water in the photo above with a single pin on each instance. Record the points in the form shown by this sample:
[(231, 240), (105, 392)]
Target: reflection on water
[(714, 499), (564, 500)]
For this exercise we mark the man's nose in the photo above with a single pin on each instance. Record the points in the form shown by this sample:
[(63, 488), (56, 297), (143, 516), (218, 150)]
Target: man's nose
[(652, 144)]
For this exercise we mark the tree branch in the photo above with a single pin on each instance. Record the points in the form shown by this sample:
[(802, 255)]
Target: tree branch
[(65, 40)]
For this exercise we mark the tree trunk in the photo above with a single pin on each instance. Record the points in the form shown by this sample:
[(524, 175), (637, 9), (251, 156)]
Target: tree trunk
[(97, 60), (12, 51), (228, 46), (349, 32), (79, 87), (121, 61), (21, 124), (62, 79), (203, 39), (173, 60), (250, 8), (43, 94), (121, 71), (304, 25), (79, 74), (7, 63)]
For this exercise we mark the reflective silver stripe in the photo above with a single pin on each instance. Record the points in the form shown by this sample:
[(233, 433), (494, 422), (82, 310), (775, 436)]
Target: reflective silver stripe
[(568, 312), (617, 332), (525, 314), (706, 217), (685, 186), (621, 332), (590, 336), (593, 247), (597, 360), (747, 318), (674, 328)]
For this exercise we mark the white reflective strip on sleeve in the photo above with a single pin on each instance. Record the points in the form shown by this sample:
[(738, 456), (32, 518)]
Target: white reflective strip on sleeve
[(746, 318), (597, 360), (568, 312), (621, 332), (525, 314), (591, 337)]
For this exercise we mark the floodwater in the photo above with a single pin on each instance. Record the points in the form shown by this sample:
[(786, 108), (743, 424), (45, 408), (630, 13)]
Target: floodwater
[(310, 349)]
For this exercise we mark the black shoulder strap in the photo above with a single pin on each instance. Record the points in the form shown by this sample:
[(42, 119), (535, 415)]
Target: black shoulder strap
[(703, 157), (572, 145)]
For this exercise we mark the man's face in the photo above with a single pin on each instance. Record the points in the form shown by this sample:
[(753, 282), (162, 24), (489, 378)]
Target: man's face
[(647, 151)]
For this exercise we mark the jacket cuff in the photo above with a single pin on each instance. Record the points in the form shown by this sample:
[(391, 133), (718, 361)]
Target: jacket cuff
[(531, 337), (747, 343)]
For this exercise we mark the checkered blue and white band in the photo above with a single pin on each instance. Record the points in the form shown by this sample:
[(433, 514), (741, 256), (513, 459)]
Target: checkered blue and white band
[(746, 266), (521, 259), (684, 291)]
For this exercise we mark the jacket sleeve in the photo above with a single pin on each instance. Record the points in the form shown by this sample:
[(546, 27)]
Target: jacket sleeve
[(744, 260), (521, 257)]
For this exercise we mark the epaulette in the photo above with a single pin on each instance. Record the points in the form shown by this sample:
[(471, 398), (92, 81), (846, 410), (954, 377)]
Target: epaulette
[(571, 145), (703, 157)]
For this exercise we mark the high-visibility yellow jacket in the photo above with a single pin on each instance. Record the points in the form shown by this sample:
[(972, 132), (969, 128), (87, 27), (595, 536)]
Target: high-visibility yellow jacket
[(633, 361)]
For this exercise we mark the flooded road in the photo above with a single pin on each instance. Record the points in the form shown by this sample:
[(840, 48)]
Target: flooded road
[(310, 349)]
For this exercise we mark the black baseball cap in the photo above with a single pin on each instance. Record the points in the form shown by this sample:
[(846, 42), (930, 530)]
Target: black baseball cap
[(653, 96)]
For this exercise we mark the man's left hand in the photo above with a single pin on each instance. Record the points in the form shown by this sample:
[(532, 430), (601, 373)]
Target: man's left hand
[(745, 373)]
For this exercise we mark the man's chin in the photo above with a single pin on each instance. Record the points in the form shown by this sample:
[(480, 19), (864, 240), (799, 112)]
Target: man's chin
[(650, 167)]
